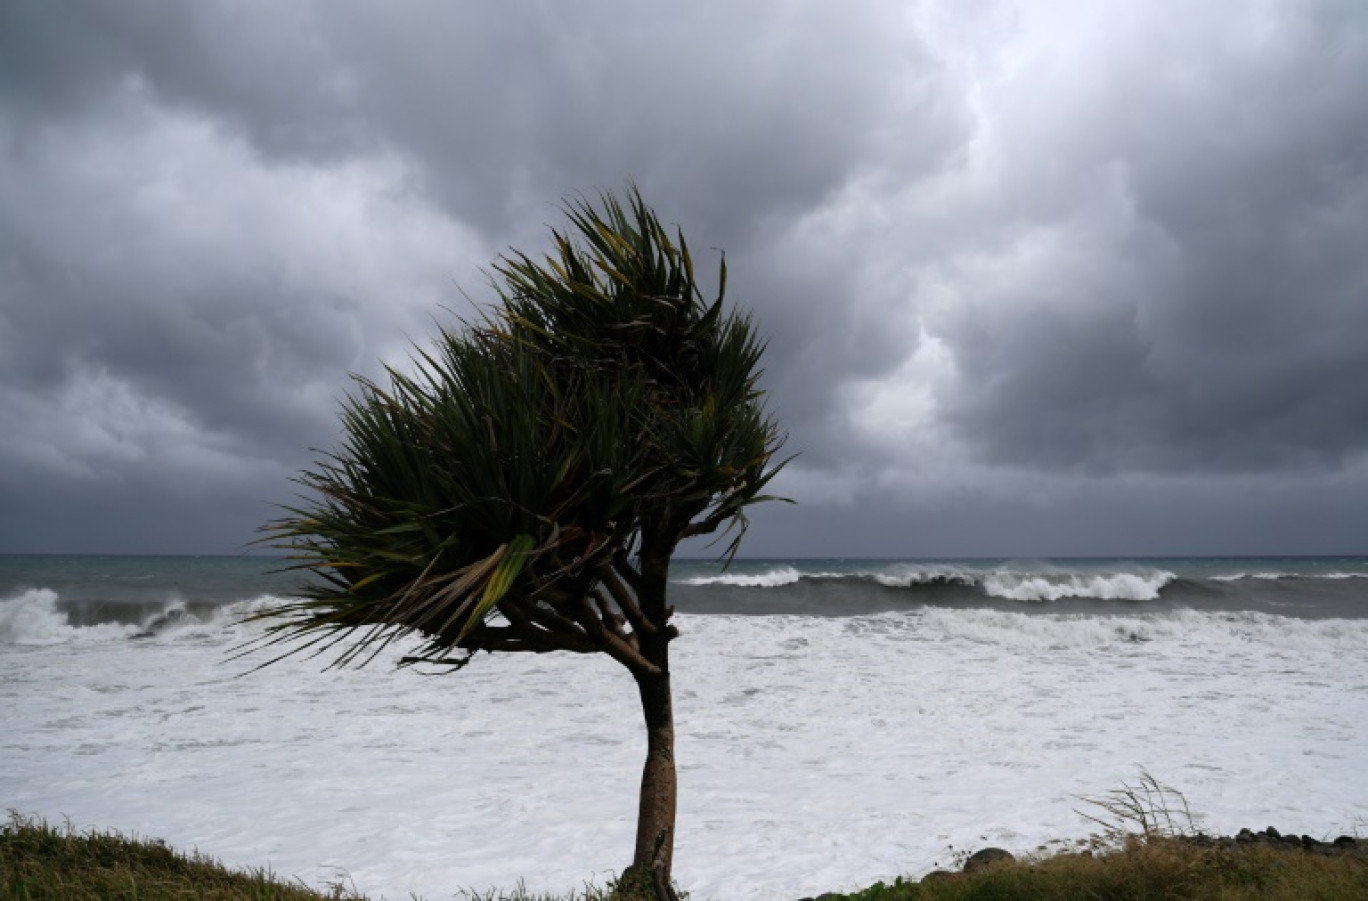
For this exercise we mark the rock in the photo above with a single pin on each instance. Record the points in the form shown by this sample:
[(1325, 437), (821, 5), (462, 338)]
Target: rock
[(938, 875), (1271, 838), (986, 858)]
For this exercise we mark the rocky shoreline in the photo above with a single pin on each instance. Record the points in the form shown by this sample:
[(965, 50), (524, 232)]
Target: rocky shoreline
[(1344, 845)]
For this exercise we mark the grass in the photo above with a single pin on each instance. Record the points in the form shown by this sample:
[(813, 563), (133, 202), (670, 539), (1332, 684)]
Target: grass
[(1148, 850), (1149, 868), (38, 861)]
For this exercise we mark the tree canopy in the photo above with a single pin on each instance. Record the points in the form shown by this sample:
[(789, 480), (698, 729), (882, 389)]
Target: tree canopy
[(602, 408)]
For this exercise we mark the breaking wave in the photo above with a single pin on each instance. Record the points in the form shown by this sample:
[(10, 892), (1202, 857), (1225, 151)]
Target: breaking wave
[(1106, 587), (775, 578), (33, 619), (39, 617), (1006, 584)]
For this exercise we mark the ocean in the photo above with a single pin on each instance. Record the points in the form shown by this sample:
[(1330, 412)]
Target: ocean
[(839, 721)]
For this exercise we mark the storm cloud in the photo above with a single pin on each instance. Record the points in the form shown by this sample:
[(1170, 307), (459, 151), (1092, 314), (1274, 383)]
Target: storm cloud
[(1038, 278)]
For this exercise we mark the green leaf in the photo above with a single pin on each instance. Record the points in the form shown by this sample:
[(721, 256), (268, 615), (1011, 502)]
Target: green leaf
[(514, 558)]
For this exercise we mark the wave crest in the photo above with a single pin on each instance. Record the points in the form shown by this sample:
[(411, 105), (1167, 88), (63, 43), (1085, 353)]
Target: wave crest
[(36, 618), (1015, 584), (1274, 576), (774, 578), (1053, 587), (32, 619)]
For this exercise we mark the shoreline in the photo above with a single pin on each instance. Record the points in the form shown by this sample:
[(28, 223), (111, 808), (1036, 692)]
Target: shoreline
[(38, 861)]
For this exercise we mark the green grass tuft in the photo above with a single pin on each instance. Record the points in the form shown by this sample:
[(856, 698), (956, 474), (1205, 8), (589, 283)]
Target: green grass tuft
[(38, 861), (590, 892)]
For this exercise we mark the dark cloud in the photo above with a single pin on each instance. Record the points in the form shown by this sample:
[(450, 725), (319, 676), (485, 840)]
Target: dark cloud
[(1015, 515), (1026, 269), (1215, 320)]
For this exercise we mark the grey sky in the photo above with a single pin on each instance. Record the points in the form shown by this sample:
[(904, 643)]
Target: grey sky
[(1039, 278)]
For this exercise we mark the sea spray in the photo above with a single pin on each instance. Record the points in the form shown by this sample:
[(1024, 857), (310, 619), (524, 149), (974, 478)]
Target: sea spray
[(1126, 586), (32, 619)]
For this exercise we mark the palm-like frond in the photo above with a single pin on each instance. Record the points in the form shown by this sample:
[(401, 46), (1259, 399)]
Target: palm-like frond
[(604, 406)]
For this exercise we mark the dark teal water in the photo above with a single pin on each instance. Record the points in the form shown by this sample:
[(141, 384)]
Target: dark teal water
[(127, 588)]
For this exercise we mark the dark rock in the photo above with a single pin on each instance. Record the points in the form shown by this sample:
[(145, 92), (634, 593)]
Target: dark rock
[(938, 875), (986, 858), (1271, 838)]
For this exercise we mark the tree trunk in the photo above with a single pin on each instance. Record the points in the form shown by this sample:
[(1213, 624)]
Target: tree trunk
[(659, 789), (654, 854)]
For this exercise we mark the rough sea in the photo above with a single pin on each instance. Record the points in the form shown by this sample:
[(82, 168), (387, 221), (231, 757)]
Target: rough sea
[(839, 721)]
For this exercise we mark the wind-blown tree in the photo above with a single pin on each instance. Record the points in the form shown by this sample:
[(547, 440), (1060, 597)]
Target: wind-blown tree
[(525, 489)]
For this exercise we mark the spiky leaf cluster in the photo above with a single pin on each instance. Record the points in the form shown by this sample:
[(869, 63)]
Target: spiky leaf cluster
[(602, 410)]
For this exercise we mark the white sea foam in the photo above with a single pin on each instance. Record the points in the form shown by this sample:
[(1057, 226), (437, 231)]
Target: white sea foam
[(32, 619), (1064, 631), (1273, 576), (774, 578), (815, 753), (1126, 586)]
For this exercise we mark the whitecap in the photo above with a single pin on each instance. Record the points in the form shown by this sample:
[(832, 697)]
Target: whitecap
[(1124, 586), (33, 619), (1264, 576), (774, 578)]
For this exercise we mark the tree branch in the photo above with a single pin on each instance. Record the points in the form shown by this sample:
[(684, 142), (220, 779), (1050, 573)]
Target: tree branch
[(508, 638), (543, 611), (623, 598), (623, 567), (612, 620), (524, 628), (616, 647), (704, 526)]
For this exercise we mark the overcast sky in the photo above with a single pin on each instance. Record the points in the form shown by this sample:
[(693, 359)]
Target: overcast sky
[(1039, 278)]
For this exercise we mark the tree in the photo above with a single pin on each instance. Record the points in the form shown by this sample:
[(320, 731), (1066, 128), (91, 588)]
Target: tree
[(527, 487)]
